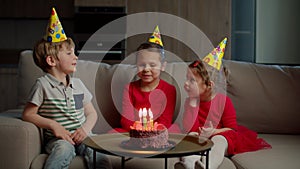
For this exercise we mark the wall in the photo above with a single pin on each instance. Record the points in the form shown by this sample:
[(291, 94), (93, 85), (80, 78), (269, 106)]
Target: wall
[(22, 22), (277, 31), (213, 17)]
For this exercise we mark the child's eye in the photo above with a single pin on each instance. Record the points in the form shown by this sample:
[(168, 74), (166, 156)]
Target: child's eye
[(192, 80), (69, 52), (141, 65)]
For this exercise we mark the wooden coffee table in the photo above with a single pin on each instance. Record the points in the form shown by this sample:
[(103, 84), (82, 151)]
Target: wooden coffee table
[(111, 144)]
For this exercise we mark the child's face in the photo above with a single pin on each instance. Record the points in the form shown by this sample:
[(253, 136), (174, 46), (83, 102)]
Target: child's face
[(67, 60), (194, 84), (149, 66)]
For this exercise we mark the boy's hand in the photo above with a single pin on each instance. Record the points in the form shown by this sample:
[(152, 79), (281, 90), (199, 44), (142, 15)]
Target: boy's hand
[(60, 132), (79, 135)]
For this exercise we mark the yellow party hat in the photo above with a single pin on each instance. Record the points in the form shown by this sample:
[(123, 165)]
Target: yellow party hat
[(155, 37), (54, 31), (214, 58)]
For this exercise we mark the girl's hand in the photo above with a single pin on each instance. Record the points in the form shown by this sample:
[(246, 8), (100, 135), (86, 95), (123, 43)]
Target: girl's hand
[(193, 133), (207, 131), (194, 101)]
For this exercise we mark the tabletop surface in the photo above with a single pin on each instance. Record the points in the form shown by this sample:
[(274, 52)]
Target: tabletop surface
[(112, 144)]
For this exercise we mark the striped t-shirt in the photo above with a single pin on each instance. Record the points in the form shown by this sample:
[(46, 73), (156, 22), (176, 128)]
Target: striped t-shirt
[(60, 103)]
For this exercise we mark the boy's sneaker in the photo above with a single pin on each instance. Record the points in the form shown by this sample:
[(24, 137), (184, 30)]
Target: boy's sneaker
[(179, 165), (199, 165)]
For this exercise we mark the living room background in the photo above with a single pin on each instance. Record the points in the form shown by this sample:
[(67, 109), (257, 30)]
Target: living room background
[(262, 31)]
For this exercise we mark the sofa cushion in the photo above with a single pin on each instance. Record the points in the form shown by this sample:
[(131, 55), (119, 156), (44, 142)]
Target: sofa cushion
[(19, 140), (285, 153), (28, 72), (265, 96), (77, 163), (110, 82), (87, 72)]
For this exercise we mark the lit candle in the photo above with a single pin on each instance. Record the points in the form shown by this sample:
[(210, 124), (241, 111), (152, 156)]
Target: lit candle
[(144, 118), (151, 118), (140, 114)]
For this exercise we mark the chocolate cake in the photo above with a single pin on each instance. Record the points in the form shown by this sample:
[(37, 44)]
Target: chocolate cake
[(157, 138)]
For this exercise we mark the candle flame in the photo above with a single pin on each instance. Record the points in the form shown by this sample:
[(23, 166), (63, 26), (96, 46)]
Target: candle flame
[(144, 112)]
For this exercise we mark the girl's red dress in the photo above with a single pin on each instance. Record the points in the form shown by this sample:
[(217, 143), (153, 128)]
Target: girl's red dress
[(221, 113), (161, 100)]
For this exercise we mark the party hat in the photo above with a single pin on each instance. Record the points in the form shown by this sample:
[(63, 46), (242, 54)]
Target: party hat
[(155, 37), (214, 58), (54, 31)]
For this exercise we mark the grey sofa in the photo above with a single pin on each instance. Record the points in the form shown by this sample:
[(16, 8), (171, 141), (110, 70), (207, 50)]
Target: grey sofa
[(266, 98)]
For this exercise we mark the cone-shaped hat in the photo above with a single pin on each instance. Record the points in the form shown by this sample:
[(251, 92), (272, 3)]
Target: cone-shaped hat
[(54, 31), (214, 58), (155, 37)]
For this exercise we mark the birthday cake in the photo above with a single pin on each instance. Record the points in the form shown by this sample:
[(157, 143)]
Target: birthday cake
[(156, 138), (145, 134)]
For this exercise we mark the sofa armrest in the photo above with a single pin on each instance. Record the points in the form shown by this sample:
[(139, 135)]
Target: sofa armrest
[(20, 142)]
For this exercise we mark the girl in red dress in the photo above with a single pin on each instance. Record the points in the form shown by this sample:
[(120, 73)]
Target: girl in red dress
[(210, 114), (150, 91)]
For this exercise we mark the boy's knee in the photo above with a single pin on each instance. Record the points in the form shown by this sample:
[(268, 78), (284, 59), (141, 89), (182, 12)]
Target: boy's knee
[(64, 147)]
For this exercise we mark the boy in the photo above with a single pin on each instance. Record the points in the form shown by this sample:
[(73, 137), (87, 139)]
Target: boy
[(59, 104)]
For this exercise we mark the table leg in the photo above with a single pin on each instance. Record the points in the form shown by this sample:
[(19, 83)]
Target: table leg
[(123, 163), (207, 159), (94, 159), (166, 163)]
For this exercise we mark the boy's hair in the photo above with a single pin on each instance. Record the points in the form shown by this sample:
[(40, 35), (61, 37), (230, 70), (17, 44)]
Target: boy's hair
[(209, 73), (42, 49), (153, 47)]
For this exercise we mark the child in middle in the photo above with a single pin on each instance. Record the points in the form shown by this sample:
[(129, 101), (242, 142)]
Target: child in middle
[(149, 91)]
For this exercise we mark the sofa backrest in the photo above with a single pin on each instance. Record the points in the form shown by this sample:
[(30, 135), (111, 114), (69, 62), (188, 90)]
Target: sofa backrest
[(28, 72), (265, 96)]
